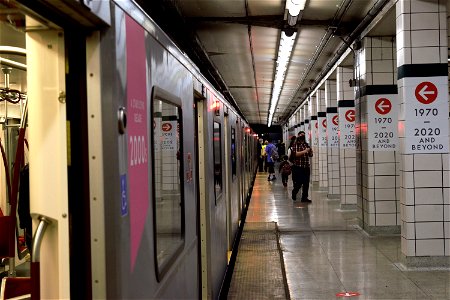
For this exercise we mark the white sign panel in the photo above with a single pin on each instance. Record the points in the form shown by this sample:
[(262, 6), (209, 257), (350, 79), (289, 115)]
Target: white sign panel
[(168, 135), (307, 131), (314, 133), (347, 116), (322, 121), (426, 115), (333, 130), (382, 121)]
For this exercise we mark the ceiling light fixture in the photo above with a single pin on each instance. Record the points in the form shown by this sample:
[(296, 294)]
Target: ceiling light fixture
[(284, 54), (294, 7)]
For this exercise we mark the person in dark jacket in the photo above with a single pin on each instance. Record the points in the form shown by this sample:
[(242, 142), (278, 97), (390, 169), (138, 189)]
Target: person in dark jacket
[(299, 154)]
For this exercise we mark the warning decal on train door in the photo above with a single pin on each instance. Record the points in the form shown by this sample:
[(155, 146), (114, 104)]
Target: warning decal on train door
[(426, 115)]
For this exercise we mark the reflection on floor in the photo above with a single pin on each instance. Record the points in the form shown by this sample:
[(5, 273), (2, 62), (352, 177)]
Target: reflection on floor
[(325, 253)]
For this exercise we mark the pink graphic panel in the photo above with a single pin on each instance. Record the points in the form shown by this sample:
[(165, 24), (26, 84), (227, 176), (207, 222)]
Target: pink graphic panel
[(137, 133)]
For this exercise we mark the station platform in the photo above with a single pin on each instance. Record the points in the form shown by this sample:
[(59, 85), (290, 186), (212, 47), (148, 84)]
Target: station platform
[(294, 250)]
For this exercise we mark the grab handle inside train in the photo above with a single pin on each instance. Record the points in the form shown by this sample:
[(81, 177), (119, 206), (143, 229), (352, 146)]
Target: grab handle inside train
[(35, 258)]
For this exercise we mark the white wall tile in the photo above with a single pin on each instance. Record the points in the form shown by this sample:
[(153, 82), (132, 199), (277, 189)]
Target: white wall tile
[(408, 247), (430, 247), (427, 162), (429, 230), (425, 55), (428, 178), (386, 219), (424, 21), (426, 213), (429, 196)]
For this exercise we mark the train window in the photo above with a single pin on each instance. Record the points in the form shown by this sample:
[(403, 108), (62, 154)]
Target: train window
[(217, 153), (168, 200), (233, 153)]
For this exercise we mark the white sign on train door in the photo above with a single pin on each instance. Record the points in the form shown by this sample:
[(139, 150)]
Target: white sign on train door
[(382, 122), (426, 115)]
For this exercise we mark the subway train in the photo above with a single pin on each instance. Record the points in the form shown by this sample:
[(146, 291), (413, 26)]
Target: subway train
[(139, 170)]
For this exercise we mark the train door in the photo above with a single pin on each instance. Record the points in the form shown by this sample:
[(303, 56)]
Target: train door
[(36, 73), (227, 182)]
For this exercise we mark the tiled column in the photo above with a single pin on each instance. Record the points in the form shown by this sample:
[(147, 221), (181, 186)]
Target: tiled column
[(323, 143), (307, 124), (334, 188), (302, 119), (377, 151), (423, 131), (347, 151), (314, 138)]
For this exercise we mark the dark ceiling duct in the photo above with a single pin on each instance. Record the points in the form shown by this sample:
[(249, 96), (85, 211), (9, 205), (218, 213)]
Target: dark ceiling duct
[(167, 16), (370, 16)]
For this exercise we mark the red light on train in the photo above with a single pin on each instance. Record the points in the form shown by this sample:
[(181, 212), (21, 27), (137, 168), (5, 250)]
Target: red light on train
[(215, 106), (247, 129)]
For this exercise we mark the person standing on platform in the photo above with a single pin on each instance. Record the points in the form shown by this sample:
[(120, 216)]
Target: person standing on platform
[(260, 156), (270, 149), (299, 155), (264, 155)]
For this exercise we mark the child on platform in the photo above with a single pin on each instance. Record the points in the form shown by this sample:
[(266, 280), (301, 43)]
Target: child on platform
[(285, 170)]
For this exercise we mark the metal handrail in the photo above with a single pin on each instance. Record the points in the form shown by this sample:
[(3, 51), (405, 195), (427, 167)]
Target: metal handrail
[(37, 238)]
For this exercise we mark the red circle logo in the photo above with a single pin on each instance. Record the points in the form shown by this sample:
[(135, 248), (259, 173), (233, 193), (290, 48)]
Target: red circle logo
[(350, 115), (426, 92), (166, 127), (335, 120), (383, 106)]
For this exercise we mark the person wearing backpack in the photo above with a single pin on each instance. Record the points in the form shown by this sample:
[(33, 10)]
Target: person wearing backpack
[(299, 155), (271, 154), (285, 170)]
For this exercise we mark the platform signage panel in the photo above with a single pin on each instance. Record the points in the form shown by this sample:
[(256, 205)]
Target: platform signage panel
[(137, 143), (322, 122), (426, 115), (347, 116), (308, 131), (314, 133), (382, 129), (333, 130)]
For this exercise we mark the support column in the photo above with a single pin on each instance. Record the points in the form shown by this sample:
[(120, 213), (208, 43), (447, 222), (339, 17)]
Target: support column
[(347, 151), (376, 127), (307, 122), (302, 119), (323, 144), (314, 139), (423, 131), (333, 139)]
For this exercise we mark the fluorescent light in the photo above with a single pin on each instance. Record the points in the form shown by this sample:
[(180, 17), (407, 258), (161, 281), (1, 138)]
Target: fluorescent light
[(284, 54), (295, 6)]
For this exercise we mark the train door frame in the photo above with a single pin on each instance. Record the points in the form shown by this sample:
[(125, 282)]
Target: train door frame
[(197, 98), (70, 276), (202, 195), (228, 181)]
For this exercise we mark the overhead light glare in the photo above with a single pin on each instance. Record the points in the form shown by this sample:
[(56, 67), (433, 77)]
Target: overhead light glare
[(284, 54), (295, 6)]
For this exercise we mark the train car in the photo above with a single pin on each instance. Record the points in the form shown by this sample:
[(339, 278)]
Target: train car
[(139, 170)]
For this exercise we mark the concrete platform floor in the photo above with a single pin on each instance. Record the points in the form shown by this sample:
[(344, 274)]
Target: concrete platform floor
[(323, 252)]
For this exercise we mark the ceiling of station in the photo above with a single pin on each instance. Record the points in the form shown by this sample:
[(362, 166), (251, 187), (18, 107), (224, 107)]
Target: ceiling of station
[(240, 39)]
